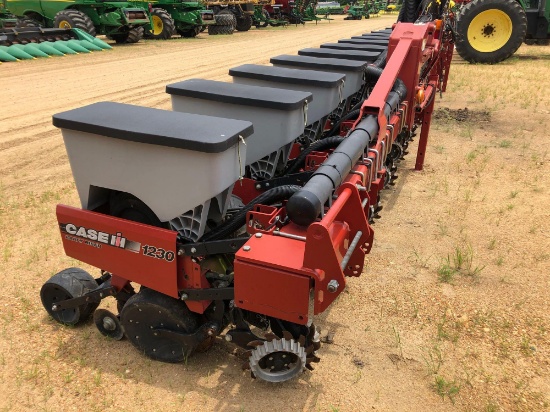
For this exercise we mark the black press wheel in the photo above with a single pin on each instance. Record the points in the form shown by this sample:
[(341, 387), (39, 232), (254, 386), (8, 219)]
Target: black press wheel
[(149, 310), (490, 31), (128, 207), (74, 19), (67, 284)]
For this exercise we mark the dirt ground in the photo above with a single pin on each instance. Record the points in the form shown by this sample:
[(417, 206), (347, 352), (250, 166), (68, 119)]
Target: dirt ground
[(452, 312)]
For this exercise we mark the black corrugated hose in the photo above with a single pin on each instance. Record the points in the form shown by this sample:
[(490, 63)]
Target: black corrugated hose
[(319, 145), (268, 197)]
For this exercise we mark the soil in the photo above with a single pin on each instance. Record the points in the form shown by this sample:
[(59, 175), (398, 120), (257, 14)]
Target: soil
[(452, 310)]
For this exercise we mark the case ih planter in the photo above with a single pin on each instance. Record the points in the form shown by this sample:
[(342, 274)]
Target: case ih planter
[(226, 221)]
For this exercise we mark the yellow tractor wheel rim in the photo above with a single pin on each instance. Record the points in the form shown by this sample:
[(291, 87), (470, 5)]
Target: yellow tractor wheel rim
[(64, 24), (489, 31), (158, 25)]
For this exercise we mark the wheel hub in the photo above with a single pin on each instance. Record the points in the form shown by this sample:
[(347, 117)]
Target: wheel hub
[(490, 30)]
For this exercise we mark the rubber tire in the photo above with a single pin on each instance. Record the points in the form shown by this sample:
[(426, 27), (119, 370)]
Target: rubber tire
[(132, 36), (69, 283), (27, 22), (76, 19), (168, 25), (176, 316), (194, 32), (410, 11), (225, 23), (468, 12), (244, 23)]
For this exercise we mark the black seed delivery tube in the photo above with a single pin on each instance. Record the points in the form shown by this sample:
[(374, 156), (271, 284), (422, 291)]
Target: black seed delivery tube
[(304, 206)]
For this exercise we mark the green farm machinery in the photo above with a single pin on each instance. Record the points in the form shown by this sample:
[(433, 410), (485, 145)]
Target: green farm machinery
[(365, 9), (169, 17), (119, 20), (7, 19), (34, 42), (262, 17), (490, 31)]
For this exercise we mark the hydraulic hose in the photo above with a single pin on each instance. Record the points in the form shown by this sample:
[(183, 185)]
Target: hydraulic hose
[(380, 62), (319, 145), (239, 219), (352, 113), (373, 73)]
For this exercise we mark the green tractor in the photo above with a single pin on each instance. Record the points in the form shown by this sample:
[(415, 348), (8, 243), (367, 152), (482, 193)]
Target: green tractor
[(169, 17), (490, 31), (118, 20)]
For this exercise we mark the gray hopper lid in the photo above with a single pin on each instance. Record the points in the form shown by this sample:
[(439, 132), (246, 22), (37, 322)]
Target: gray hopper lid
[(289, 76), (340, 54), (256, 96), (383, 35), (154, 126), (354, 46), (371, 40), (319, 63), (361, 41)]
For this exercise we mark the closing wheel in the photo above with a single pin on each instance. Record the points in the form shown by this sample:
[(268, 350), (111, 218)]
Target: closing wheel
[(74, 19), (108, 324), (162, 25), (67, 284), (490, 31), (278, 360), (148, 311)]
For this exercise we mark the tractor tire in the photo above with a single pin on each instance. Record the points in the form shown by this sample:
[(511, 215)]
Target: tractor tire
[(74, 19), (225, 23), (490, 31), (194, 32), (244, 23), (27, 22), (410, 11), (163, 26), (132, 36)]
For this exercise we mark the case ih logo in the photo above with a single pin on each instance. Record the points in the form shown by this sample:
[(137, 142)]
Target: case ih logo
[(96, 238)]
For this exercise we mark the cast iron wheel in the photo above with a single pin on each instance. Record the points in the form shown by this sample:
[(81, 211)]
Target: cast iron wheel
[(163, 26), (27, 22), (490, 31), (127, 206), (194, 32), (244, 23), (149, 310), (74, 19), (409, 12), (67, 284)]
